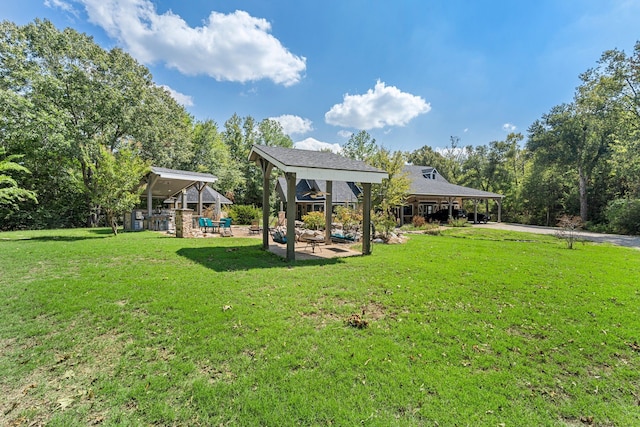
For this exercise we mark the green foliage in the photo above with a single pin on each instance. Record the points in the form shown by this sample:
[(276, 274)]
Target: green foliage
[(624, 216), (244, 214), (314, 220), (117, 184), (393, 190), (349, 218), (384, 223), (360, 146), (10, 191)]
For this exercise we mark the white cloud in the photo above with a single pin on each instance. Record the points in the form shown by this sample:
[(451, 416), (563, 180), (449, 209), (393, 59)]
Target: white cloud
[(509, 127), (180, 98), (228, 47), (292, 125), (62, 5), (379, 107), (315, 145), (345, 134)]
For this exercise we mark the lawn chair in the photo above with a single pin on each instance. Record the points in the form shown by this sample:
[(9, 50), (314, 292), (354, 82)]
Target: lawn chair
[(225, 227), (255, 228), (206, 223)]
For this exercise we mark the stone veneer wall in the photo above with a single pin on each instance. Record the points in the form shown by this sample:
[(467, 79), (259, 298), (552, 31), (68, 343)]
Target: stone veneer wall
[(184, 224)]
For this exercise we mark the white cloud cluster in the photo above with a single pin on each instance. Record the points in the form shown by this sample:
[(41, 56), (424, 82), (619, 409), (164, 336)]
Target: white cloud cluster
[(180, 98), (379, 107), (509, 127), (294, 125), (315, 145), (233, 47)]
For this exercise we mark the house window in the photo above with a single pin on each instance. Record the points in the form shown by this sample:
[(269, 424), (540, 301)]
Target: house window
[(407, 210)]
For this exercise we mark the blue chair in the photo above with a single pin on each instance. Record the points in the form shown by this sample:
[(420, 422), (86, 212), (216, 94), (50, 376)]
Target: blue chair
[(225, 227)]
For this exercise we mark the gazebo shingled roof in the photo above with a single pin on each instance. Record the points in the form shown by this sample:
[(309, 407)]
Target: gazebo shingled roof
[(298, 164)]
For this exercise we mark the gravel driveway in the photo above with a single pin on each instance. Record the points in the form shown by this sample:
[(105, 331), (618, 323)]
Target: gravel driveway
[(620, 240)]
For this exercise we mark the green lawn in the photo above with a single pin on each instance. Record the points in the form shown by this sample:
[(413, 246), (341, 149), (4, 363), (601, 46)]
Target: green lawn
[(472, 327)]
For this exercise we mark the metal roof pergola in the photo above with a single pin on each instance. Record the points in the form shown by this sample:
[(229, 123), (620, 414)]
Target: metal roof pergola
[(306, 164), (163, 183)]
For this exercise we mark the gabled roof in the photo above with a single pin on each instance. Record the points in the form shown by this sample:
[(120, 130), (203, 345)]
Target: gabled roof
[(307, 164), (209, 196), (421, 185), (341, 192), (168, 182)]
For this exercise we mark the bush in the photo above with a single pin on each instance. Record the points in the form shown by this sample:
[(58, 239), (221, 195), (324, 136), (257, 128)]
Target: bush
[(349, 218), (244, 214), (569, 229), (624, 216), (418, 221), (313, 220)]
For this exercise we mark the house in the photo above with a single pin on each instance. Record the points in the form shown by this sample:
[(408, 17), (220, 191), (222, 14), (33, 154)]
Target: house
[(311, 194), (429, 192)]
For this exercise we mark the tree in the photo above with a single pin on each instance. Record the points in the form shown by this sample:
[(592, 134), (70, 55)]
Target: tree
[(117, 187), (10, 191), (64, 97), (360, 146)]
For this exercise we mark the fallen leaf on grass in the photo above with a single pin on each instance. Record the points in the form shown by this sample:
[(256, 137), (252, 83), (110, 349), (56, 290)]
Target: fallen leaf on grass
[(65, 402)]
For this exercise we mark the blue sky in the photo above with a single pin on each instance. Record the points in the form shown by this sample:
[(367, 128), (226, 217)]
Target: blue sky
[(409, 72)]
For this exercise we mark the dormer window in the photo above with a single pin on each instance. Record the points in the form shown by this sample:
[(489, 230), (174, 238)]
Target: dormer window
[(429, 173)]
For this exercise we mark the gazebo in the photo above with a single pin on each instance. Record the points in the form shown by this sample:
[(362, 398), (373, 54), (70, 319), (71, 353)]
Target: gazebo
[(305, 164)]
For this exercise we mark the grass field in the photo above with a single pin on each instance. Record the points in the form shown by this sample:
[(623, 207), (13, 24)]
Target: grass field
[(472, 327)]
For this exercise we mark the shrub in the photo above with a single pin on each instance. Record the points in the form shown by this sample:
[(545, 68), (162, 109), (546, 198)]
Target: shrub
[(313, 220), (244, 214), (458, 222), (418, 221), (384, 223), (349, 218), (569, 229), (624, 216)]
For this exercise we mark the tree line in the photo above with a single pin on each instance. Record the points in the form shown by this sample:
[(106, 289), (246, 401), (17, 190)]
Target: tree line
[(80, 125)]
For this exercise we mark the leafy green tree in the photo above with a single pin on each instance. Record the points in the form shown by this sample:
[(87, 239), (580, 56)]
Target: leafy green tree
[(117, 187), (392, 192), (360, 146), (10, 191), (212, 155), (64, 97), (240, 135)]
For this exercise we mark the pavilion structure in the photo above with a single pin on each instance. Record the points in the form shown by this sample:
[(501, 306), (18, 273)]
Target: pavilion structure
[(305, 164)]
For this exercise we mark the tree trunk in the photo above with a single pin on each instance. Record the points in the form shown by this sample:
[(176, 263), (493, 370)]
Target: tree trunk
[(583, 194)]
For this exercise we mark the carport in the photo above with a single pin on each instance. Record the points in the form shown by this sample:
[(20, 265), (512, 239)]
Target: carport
[(305, 164)]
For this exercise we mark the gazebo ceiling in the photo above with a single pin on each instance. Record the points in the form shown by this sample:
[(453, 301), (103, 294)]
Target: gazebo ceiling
[(169, 182)]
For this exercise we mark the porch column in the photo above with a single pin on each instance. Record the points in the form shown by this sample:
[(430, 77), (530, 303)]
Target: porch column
[(366, 218), (291, 215), (200, 187), (475, 211), (328, 208), (266, 168), (499, 201), (151, 181)]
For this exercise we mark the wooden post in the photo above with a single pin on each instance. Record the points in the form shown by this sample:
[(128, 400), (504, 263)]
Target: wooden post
[(266, 175), (366, 219), (328, 212), (291, 215)]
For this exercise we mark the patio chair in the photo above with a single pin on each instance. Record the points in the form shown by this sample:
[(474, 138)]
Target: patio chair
[(206, 223), (225, 227), (255, 228)]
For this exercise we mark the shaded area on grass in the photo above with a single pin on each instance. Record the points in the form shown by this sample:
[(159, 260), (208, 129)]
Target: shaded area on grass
[(239, 258)]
